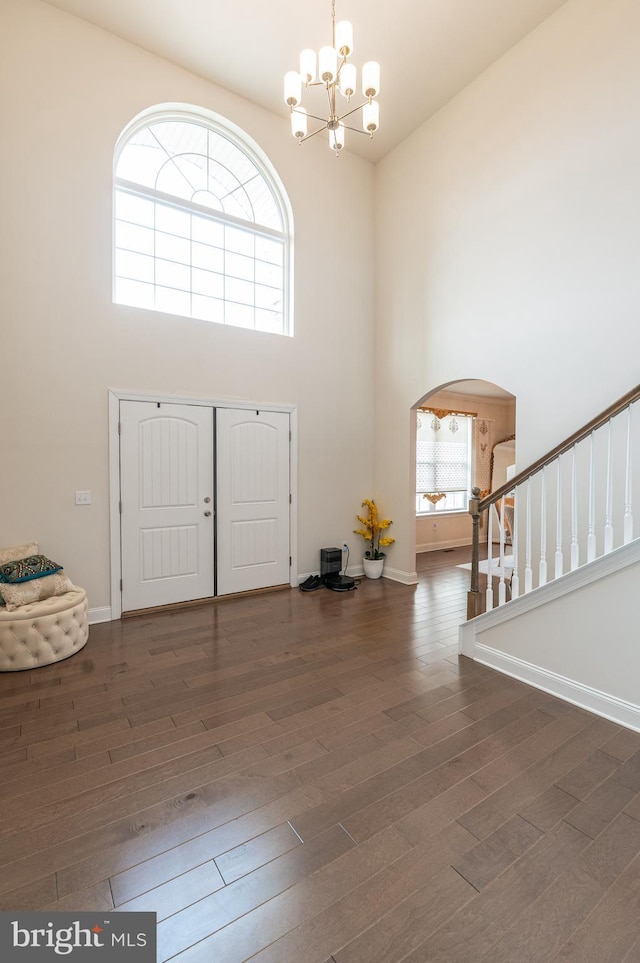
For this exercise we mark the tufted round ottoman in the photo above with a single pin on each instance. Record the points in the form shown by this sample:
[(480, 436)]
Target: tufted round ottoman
[(43, 632)]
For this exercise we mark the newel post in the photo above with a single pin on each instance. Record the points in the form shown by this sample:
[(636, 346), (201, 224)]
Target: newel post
[(473, 596)]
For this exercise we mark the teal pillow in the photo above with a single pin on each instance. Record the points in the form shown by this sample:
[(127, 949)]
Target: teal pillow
[(23, 570)]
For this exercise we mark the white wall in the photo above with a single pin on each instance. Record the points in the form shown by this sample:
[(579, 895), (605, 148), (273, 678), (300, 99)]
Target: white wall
[(574, 637), (507, 227), (68, 91)]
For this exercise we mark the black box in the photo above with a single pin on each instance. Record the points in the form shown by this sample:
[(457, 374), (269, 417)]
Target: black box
[(330, 561)]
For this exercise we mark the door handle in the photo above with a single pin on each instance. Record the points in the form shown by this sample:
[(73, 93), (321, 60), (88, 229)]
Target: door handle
[(206, 514)]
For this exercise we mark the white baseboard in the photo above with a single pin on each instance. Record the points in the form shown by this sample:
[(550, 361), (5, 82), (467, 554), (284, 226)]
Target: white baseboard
[(356, 571), (305, 576), (397, 575), (100, 615), (600, 703), (437, 547)]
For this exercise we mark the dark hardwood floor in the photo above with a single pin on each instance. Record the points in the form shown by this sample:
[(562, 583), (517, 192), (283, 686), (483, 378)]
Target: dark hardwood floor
[(319, 778)]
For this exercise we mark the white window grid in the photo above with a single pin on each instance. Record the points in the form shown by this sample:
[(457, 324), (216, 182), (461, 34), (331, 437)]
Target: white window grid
[(182, 274), (178, 256)]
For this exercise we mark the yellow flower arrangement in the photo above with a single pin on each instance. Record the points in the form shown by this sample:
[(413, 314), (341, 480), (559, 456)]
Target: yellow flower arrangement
[(372, 526)]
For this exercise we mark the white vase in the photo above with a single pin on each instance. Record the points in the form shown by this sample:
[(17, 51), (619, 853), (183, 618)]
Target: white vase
[(373, 567)]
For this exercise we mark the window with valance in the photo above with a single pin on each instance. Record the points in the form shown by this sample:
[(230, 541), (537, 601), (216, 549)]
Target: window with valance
[(444, 455)]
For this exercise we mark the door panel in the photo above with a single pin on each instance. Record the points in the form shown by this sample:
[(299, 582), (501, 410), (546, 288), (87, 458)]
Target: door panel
[(166, 465), (252, 499)]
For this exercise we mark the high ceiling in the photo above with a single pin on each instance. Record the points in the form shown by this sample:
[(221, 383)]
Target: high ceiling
[(428, 49)]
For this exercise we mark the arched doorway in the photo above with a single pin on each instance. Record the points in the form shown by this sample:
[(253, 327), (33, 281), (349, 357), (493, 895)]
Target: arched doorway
[(465, 436)]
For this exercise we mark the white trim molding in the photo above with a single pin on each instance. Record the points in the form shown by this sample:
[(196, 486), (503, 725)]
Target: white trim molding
[(439, 546), (601, 703), (357, 572), (571, 637), (102, 614), (397, 575)]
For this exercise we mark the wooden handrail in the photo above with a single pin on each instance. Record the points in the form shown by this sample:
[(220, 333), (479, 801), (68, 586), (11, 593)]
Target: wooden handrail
[(560, 449), (478, 505)]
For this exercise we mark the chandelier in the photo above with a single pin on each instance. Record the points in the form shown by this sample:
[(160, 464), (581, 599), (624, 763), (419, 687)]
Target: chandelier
[(331, 70)]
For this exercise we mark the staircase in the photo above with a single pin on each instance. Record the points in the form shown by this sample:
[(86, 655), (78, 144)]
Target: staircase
[(565, 619)]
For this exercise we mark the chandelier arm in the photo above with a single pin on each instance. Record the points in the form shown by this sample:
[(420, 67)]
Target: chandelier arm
[(313, 133), (357, 130), (323, 120), (343, 61), (353, 110)]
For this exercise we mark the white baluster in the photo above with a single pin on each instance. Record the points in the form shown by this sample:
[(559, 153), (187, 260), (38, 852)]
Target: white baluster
[(489, 592), (628, 512), (528, 571), (502, 588), (575, 550), (608, 518), (591, 537), (515, 578), (559, 557), (542, 573)]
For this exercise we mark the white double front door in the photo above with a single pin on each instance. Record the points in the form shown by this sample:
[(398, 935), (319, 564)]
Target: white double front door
[(204, 498)]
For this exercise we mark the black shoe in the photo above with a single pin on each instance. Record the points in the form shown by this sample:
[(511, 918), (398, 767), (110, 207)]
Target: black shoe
[(311, 584)]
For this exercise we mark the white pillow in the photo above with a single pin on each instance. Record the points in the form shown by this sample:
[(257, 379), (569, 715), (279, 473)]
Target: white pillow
[(17, 552), (26, 593)]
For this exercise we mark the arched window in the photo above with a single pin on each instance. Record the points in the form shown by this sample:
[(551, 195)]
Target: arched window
[(202, 225)]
